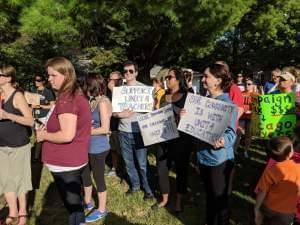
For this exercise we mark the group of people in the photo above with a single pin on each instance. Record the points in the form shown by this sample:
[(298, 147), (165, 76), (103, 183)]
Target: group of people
[(77, 128)]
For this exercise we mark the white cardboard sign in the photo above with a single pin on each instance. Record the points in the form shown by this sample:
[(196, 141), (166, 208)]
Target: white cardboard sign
[(135, 98), (158, 126), (206, 118), (32, 98)]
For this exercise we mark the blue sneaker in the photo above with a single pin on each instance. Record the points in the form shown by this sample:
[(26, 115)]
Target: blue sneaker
[(89, 206), (95, 215)]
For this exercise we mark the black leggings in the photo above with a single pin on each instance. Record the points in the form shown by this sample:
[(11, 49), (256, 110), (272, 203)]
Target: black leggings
[(179, 151), (216, 181), (97, 166), (69, 188), (162, 169)]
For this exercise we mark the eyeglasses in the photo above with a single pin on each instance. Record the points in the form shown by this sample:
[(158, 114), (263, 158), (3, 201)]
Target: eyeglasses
[(115, 79), (169, 77), (130, 71)]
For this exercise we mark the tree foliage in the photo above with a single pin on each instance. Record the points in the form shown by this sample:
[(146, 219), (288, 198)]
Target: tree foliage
[(186, 32)]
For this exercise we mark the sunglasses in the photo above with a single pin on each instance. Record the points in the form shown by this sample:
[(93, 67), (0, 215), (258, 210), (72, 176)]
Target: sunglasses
[(249, 84), (3, 75), (38, 80), (128, 71), (169, 77), (282, 79)]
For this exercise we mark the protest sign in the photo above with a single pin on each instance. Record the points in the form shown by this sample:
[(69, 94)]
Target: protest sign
[(273, 115), (135, 98), (32, 98), (206, 118), (158, 126)]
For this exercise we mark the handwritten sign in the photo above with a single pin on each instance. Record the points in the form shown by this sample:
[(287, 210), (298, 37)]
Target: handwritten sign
[(158, 126), (273, 115), (206, 118), (32, 98), (135, 98)]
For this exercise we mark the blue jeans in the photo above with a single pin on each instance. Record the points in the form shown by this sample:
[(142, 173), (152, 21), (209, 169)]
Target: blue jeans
[(135, 155)]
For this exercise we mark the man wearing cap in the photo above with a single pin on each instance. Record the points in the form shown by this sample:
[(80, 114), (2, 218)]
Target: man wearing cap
[(286, 83)]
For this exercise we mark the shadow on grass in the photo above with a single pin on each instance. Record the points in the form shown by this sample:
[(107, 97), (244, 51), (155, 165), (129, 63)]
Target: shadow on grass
[(193, 204), (3, 208), (114, 219), (53, 210)]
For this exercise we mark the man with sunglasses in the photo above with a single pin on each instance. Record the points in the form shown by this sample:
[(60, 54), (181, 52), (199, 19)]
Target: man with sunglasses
[(131, 142)]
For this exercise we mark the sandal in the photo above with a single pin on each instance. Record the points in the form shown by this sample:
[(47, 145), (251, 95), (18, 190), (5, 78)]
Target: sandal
[(11, 220), (24, 217)]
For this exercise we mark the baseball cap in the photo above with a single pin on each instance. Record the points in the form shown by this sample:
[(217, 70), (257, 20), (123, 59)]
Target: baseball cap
[(287, 76)]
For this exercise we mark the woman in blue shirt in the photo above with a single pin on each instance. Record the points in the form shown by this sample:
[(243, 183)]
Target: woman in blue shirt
[(216, 161), (101, 111)]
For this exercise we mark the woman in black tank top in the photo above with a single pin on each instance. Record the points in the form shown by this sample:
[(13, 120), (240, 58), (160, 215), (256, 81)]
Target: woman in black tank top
[(15, 116), (177, 150)]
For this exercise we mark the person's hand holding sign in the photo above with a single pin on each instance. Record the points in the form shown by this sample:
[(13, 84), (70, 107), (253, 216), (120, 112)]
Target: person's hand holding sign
[(219, 143), (127, 113), (182, 112)]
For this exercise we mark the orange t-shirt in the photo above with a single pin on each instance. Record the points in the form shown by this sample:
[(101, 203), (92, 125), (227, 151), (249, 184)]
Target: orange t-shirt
[(281, 182)]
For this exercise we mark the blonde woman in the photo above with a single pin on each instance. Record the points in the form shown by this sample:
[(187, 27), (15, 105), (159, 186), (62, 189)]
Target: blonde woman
[(66, 137)]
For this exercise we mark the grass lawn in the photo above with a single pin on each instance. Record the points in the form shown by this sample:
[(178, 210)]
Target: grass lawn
[(47, 208)]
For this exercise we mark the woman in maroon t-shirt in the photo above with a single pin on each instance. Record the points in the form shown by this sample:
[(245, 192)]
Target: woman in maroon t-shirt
[(66, 137)]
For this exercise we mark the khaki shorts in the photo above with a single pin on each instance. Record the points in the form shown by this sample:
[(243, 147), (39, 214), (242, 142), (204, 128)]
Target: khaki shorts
[(15, 172)]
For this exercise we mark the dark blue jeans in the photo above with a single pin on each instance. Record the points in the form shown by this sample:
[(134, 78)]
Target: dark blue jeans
[(134, 154)]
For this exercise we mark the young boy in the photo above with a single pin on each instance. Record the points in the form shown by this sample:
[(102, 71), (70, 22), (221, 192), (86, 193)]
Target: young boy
[(279, 186)]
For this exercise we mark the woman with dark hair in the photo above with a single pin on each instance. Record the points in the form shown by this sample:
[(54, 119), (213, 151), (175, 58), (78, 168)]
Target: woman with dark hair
[(15, 172), (177, 150), (47, 98), (66, 137), (216, 161), (101, 110)]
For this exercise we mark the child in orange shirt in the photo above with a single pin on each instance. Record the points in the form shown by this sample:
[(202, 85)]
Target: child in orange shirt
[(279, 186)]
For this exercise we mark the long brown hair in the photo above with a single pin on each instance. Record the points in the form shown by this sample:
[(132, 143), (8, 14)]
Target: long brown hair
[(66, 68), (94, 85)]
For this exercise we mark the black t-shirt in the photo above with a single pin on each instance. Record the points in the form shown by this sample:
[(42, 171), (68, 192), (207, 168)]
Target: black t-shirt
[(46, 96)]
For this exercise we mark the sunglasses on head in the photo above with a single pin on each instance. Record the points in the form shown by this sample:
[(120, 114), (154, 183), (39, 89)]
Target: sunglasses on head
[(128, 71)]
